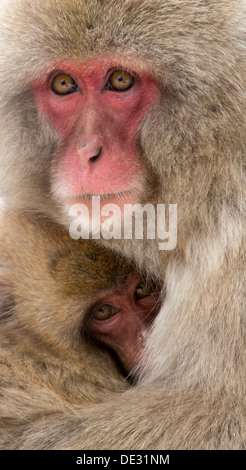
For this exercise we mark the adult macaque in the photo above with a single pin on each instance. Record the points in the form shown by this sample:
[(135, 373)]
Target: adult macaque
[(144, 101), (56, 296)]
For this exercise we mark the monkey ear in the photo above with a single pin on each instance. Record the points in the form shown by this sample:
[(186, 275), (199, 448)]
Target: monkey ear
[(6, 293)]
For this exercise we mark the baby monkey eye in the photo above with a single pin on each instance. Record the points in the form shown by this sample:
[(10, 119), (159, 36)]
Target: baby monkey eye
[(63, 84), (120, 80), (104, 312), (144, 289)]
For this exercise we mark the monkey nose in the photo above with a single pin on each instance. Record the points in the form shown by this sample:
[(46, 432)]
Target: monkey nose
[(96, 156), (89, 153)]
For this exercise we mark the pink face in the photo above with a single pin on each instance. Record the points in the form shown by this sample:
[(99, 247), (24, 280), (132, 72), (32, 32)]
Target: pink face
[(97, 108), (122, 320)]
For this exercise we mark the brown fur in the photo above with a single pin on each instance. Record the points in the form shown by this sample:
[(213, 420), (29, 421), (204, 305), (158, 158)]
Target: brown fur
[(47, 284), (194, 140)]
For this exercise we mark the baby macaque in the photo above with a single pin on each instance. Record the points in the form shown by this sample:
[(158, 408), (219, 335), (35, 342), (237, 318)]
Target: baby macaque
[(64, 306)]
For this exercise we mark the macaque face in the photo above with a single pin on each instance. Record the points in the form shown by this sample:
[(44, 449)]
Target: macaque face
[(97, 108), (115, 304), (122, 319)]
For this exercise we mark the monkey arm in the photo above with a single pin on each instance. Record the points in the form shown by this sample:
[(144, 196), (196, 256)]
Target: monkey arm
[(38, 420)]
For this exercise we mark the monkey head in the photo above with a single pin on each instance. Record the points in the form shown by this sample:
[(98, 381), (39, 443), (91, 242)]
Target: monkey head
[(62, 295)]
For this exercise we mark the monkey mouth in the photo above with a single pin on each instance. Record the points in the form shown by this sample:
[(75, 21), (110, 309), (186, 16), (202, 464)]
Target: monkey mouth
[(98, 201), (116, 195)]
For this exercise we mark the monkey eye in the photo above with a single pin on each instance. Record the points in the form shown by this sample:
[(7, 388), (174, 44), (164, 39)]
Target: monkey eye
[(120, 80), (144, 289), (63, 84), (104, 313)]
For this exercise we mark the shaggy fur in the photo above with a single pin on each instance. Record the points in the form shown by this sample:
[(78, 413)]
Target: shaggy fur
[(48, 283), (193, 143)]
